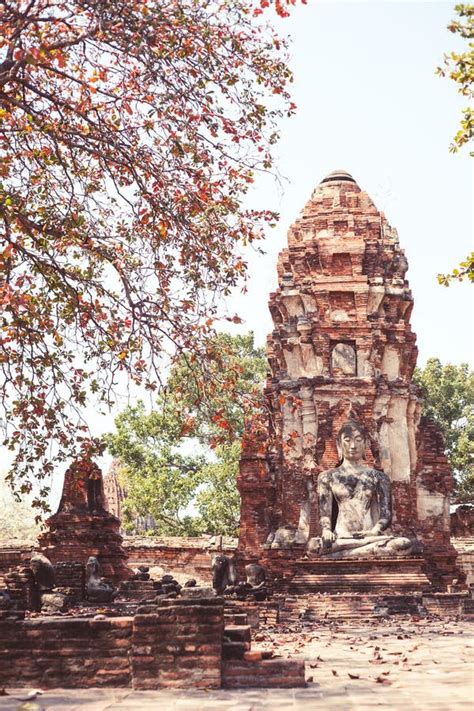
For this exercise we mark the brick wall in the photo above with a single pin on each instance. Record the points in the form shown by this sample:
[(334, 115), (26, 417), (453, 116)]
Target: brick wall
[(65, 652), (12, 556), (177, 643), (186, 555)]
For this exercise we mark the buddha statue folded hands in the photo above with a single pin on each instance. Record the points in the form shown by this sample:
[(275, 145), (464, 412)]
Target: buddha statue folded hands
[(364, 506)]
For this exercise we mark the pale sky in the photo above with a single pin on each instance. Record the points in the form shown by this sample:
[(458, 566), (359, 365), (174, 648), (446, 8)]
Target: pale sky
[(369, 102)]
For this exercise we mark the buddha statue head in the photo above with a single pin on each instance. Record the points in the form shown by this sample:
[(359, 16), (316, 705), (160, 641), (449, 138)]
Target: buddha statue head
[(351, 441)]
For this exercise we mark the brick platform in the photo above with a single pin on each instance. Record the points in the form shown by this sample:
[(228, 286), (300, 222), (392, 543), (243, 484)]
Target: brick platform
[(358, 576)]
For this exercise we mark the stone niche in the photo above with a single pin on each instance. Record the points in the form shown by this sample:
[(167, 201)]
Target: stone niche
[(342, 346), (343, 359)]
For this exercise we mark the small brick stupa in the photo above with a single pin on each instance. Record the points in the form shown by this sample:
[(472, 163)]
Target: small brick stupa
[(342, 346), (82, 527)]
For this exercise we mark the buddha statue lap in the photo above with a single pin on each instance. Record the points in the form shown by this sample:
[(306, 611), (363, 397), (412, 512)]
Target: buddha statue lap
[(364, 500)]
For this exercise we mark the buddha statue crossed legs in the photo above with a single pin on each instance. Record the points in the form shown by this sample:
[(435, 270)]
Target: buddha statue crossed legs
[(364, 501)]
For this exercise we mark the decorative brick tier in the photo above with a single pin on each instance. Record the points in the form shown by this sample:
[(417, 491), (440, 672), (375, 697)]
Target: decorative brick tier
[(347, 607), (358, 576)]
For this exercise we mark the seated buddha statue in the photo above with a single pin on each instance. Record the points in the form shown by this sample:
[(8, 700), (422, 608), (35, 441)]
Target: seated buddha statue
[(364, 501)]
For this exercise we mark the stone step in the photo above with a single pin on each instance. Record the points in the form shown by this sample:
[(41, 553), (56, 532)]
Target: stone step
[(237, 633), (318, 606), (263, 673), (234, 650), (235, 618)]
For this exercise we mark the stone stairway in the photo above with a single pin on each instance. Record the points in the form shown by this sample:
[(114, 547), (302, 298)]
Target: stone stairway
[(235, 618), (237, 641), (243, 667)]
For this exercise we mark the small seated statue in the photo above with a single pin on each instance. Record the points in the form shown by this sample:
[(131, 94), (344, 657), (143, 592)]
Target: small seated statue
[(43, 572), (97, 589), (6, 601), (45, 597), (223, 572), (364, 500), (256, 581)]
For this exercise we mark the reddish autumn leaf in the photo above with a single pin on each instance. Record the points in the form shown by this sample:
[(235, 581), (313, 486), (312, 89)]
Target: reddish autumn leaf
[(130, 133)]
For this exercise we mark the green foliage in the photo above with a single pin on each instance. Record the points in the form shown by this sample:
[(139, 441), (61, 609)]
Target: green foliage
[(460, 68), (218, 502), (448, 392), (190, 494), (465, 269), (236, 370), (158, 478)]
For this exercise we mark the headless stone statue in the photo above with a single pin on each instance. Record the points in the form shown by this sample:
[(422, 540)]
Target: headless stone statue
[(223, 572), (256, 581), (363, 497), (97, 589), (44, 597), (6, 601), (255, 575), (43, 572)]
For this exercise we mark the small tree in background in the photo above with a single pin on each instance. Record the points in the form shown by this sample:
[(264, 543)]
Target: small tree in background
[(448, 392), (190, 494)]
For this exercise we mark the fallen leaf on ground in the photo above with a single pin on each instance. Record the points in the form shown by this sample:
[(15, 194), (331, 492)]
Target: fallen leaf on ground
[(353, 676), (334, 672), (382, 680)]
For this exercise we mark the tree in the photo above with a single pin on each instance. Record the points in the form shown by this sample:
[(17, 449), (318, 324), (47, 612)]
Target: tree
[(159, 480), (465, 269), (162, 481), (130, 133), (460, 68), (448, 392), (218, 501), (237, 370)]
